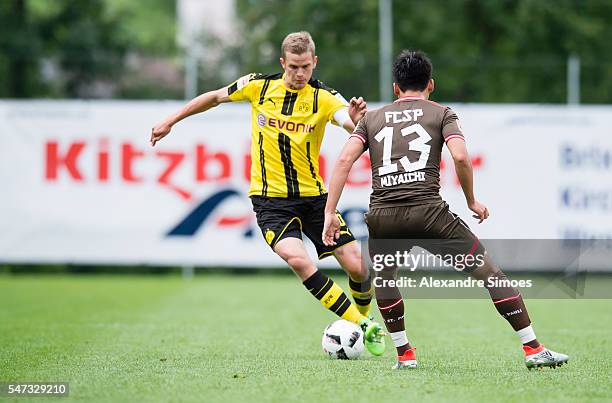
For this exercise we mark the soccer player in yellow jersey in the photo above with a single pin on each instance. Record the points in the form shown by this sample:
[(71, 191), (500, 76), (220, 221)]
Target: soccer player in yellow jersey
[(289, 113)]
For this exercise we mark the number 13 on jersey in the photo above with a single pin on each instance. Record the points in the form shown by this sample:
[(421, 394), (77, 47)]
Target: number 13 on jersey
[(418, 144)]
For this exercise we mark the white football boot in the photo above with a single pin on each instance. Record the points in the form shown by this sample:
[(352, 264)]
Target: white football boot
[(542, 357)]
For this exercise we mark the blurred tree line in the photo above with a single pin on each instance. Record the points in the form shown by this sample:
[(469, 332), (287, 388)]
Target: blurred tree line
[(482, 50), (86, 48)]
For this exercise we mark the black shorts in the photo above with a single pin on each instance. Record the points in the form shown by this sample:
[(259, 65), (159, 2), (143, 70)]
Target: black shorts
[(280, 217), (431, 226)]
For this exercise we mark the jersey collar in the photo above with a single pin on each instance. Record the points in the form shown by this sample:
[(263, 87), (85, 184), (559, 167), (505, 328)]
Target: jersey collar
[(411, 98)]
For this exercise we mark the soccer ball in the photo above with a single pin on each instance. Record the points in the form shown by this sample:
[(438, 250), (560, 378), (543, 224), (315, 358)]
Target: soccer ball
[(343, 340)]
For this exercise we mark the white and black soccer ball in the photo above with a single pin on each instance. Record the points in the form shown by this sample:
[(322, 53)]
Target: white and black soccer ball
[(343, 340)]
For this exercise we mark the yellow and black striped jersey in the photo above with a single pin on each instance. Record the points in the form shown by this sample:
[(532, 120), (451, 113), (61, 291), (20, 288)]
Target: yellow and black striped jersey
[(287, 130)]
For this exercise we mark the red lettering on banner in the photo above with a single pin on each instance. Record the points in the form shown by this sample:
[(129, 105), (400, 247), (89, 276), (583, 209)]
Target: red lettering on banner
[(203, 159), (54, 161), (360, 174), (174, 160), (322, 171), (247, 167), (103, 160), (128, 155), (100, 154)]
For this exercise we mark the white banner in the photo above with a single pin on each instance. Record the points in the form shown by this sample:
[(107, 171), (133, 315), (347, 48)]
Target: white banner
[(82, 184)]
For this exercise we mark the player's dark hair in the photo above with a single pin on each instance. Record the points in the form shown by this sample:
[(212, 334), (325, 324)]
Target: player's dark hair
[(412, 70)]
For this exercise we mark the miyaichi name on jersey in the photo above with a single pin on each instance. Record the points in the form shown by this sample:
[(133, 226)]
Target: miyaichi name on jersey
[(406, 177)]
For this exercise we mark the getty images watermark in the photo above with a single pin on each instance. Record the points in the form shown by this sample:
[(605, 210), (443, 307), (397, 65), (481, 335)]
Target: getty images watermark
[(423, 260), (427, 261), (540, 268)]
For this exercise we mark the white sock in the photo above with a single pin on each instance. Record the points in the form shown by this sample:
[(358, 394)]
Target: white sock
[(526, 334), (399, 338)]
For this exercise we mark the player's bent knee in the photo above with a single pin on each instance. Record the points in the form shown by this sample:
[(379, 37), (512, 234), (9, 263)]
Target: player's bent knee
[(304, 268), (299, 262), (293, 252)]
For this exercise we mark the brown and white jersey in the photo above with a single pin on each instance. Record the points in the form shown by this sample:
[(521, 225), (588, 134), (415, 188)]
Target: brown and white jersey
[(405, 141)]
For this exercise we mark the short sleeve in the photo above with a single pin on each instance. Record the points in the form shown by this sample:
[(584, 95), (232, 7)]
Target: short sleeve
[(242, 89), (361, 131), (451, 128), (330, 102)]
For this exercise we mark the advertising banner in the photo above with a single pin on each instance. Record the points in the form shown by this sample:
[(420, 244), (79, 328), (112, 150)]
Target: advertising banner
[(81, 183)]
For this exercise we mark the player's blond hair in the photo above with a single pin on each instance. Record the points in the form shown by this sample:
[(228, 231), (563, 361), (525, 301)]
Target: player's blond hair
[(298, 43)]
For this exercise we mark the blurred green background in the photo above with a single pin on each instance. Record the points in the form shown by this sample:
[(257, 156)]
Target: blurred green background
[(483, 50)]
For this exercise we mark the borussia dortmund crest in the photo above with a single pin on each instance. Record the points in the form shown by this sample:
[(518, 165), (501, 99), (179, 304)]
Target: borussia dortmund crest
[(304, 107)]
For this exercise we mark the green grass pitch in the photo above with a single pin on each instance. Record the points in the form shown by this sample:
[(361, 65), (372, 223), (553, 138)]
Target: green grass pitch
[(223, 338)]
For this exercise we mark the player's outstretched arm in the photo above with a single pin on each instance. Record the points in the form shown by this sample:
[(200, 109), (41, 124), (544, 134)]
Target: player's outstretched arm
[(463, 167), (351, 151), (349, 117), (199, 104)]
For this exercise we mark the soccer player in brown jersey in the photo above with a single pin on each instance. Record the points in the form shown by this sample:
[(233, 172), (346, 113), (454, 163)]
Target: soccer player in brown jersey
[(405, 141)]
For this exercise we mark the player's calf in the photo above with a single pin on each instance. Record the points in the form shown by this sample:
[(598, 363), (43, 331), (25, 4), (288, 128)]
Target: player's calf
[(360, 282), (507, 301), (362, 294), (510, 305), (391, 307)]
